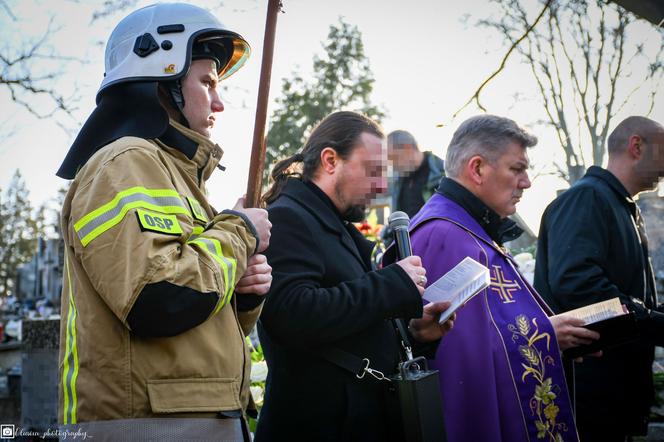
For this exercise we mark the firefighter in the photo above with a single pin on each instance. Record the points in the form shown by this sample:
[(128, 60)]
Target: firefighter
[(152, 343)]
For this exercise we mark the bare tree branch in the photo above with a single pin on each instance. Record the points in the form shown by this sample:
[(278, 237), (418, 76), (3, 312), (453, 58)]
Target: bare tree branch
[(579, 62), (111, 7), (476, 95), (19, 76), (7, 10)]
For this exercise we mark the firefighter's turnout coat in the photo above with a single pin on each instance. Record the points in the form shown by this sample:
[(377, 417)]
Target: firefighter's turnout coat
[(137, 214)]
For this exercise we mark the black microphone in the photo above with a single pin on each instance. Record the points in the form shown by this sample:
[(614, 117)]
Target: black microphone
[(398, 222)]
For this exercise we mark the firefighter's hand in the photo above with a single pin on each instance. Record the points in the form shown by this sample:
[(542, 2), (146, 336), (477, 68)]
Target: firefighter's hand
[(257, 279), (259, 219)]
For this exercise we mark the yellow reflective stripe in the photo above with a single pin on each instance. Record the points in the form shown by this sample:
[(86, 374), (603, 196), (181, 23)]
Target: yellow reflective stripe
[(233, 264), (209, 247), (114, 202), (70, 371), (65, 370), (228, 265), (74, 376), (197, 230), (100, 220)]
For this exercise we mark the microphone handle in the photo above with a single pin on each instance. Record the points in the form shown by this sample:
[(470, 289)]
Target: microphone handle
[(402, 238)]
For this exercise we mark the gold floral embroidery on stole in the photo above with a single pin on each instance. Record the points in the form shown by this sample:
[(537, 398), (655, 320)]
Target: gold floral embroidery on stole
[(543, 402)]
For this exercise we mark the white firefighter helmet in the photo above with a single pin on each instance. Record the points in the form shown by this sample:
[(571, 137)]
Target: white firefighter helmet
[(155, 43)]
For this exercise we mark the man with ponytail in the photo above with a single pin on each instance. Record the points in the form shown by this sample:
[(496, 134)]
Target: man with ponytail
[(325, 299)]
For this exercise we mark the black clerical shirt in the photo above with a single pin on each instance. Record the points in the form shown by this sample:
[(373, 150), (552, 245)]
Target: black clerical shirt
[(500, 230)]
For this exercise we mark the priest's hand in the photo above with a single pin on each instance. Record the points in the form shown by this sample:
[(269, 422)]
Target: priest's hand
[(570, 331), (427, 328), (257, 279)]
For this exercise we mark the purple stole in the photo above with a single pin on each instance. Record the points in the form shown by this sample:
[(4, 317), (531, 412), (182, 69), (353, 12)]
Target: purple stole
[(502, 376)]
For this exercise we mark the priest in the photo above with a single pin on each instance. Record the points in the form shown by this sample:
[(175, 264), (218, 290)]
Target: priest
[(501, 371)]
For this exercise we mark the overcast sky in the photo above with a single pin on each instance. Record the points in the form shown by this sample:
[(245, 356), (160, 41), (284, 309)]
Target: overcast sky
[(427, 58)]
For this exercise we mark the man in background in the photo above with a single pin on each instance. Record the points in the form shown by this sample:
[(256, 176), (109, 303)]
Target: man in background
[(416, 173), (593, 247)]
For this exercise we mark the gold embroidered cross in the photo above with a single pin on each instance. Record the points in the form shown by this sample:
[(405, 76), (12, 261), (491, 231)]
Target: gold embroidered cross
[(503, 286)]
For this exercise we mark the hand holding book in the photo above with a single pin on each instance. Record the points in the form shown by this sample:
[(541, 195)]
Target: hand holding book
[(608, 318), (445, 296), (458, 286), (427, 328), (570, 331)]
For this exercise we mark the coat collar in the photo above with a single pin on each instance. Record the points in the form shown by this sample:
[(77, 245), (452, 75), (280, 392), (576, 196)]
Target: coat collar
[(302, 195), (324, 197), (199, 149), (614, 184), (610, 179)]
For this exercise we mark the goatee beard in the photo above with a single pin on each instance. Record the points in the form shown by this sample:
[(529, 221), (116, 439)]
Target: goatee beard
[(355, 214)]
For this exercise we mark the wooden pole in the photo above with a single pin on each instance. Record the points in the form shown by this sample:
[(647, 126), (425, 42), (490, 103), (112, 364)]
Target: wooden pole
[(255, 181)]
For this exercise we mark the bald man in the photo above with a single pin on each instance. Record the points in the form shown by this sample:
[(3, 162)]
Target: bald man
[(592, 247)]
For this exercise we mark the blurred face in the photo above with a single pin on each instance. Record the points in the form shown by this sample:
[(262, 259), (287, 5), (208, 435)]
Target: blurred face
[(650, 167), (361, 177), (505, 180), (201, 97), (402, 157)]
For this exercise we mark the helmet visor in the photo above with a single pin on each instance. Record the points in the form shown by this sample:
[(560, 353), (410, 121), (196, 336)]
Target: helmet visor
[(241, 51), (228, 52)]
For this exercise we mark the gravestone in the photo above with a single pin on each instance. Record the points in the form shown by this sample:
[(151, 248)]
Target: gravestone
[(39, 383), (652, 207)]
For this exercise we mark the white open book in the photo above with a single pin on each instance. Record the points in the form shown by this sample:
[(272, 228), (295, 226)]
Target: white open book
[(458, 285), (598, 312)]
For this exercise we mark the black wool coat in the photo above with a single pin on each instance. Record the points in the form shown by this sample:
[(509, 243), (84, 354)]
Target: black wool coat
[(589, 251), (324, 294)]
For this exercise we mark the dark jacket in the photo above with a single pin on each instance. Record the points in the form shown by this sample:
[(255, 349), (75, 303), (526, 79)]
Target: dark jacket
[(589, 251), (323, 294)]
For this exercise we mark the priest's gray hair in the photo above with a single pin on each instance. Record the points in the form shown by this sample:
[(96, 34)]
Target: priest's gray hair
[(484, 135)]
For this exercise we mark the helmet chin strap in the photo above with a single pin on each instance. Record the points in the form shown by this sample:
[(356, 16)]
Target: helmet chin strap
[(174, 89)]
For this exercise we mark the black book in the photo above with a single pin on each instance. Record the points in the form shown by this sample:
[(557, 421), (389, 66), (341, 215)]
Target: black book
[(613, 332)]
